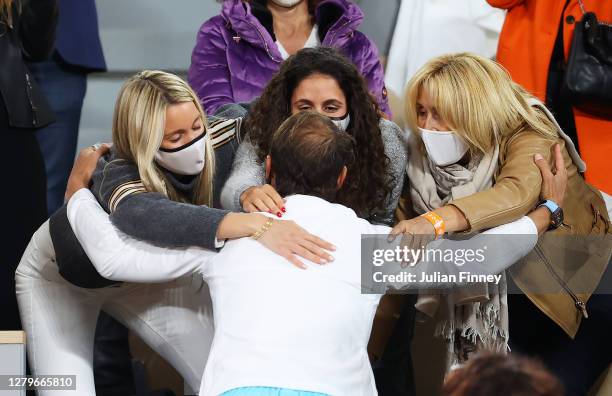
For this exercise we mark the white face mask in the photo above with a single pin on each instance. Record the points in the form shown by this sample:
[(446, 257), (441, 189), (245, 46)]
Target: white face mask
[(342, 122), (188, 159), (443, 148), (287, 3)]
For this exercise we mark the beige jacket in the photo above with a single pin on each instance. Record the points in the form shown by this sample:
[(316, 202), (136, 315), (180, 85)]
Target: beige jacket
[(561, 273)]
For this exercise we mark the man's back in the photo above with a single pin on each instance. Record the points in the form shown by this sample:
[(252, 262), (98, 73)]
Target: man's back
[(280, 326)]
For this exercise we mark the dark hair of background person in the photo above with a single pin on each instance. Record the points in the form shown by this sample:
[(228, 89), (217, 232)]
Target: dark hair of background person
[(496, 374), (368, 182), (308, 153)]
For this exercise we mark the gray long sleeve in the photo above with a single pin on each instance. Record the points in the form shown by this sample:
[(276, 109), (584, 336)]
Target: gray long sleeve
[(247, 171), (151, 216), (396, 148)]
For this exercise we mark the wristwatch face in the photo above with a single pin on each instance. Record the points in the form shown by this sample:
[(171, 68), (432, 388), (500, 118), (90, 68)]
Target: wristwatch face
[(556, 218)]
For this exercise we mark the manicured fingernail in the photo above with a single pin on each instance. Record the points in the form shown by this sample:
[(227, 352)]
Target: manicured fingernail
[(333, 247), (279, 214), (322, 261), (330, 258), (283, 209), (538, 157)]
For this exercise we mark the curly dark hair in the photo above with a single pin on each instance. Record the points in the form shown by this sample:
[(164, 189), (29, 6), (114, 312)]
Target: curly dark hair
[(369, 183)]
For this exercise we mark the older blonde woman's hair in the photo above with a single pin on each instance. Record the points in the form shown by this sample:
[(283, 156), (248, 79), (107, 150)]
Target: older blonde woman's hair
[(138, 130), (476, 97)]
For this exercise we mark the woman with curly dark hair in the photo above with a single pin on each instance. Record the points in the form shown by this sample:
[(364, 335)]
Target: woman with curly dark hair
[(321, 79)]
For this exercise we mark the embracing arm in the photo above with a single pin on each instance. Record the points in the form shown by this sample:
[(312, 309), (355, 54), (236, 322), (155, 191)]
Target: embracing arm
[(116, 256), (285, 238), (151, 216), (516, 190)]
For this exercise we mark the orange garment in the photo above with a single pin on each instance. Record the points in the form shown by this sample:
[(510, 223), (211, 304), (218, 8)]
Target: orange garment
[(525, 48)]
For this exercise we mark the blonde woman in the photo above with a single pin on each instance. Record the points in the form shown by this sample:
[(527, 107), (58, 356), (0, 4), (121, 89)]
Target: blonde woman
[(156, 184), (471, 169)]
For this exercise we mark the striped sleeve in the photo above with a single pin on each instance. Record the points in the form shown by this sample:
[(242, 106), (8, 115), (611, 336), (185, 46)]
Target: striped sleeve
[(223, 131), (124, 190)]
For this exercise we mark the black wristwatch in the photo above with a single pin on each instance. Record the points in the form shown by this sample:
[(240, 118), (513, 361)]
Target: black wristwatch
[(556, 213)]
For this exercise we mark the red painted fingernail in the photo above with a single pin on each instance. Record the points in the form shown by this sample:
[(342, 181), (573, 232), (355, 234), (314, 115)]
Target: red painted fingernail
[(283, 209), (279, 214), (269, 211)]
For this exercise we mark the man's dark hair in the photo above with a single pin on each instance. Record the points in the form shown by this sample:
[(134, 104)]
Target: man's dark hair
[(308, 152)]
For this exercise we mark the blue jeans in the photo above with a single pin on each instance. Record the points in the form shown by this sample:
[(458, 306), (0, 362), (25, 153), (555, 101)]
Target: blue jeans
[(267, 391), (64, 87)]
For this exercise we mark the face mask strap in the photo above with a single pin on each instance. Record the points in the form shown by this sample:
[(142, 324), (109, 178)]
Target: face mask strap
[(196, 139)]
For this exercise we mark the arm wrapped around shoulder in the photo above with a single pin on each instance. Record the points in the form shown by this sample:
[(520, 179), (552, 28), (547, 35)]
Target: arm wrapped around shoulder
[(517, 184)]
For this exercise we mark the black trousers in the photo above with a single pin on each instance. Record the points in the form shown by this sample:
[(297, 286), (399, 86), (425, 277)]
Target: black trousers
[(394, 374), (578, 362), (24, 207)]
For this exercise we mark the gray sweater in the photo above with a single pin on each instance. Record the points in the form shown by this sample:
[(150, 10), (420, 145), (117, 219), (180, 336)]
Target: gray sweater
[(248, 171)]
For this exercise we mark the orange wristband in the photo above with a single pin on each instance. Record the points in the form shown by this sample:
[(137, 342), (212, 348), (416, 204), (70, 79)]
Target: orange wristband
[(436, 221)]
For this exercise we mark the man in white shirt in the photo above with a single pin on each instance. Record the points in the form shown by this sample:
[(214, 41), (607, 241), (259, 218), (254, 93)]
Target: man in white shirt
[(277, 327)]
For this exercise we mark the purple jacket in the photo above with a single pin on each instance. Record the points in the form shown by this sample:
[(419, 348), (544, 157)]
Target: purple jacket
[(235, 55)]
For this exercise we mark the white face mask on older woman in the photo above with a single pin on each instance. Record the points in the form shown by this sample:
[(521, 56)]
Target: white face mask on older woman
[(443, 148)]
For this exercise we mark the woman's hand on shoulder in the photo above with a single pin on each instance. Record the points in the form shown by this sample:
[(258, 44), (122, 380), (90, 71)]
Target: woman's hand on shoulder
[(83, 168), (554, 179), (262, 199), (289, 240)]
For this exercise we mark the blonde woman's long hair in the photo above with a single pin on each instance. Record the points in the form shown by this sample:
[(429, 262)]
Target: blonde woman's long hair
[(138, 130), (476, 97)]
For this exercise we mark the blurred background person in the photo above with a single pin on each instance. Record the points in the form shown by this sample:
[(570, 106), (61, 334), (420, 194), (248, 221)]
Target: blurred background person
[(427, 28), (534, 46), (496, 374), (27, 32), (238, 51), (63, 81)]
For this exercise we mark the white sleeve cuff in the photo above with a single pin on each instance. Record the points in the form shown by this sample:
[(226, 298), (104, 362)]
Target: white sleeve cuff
[(219, 243)]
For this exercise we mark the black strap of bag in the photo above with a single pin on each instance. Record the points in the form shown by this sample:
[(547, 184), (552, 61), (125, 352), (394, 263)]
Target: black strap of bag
[(588, 77)]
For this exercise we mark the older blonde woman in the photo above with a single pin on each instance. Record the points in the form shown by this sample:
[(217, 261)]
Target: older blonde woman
[(471, 169)]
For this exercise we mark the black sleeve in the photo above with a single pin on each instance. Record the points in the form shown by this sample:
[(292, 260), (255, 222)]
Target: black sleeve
[(37, 24)]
